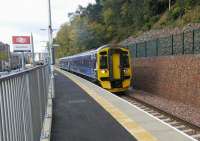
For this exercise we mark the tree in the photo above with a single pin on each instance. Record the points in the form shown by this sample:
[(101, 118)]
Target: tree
[(109, 21)]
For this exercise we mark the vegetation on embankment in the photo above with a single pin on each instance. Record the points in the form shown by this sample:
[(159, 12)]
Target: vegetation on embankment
[(109, 21), (3, 56)]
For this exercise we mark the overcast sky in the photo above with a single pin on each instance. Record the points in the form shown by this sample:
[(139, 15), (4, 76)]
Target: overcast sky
[(21, 17)]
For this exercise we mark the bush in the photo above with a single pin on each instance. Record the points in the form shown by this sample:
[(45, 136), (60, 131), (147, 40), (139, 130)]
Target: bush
[(155, 19), (189, 4), (176, 12), (147, 26)]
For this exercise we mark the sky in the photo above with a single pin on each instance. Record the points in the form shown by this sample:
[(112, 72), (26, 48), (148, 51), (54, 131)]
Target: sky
[(23, 17)]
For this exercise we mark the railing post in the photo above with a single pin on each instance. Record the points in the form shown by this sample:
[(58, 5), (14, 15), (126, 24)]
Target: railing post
[(136, 50), (183, 43), (18, 109), (172, 44), (145, 48), (157, 47), (29, 107), (2, 114), (193, 36), (11, 103), (14, 85), (5, 112), (40, 94), (9, 109), (1, 127)]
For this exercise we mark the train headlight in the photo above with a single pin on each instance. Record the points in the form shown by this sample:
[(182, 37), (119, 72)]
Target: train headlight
[(103, 71), (125, 70)]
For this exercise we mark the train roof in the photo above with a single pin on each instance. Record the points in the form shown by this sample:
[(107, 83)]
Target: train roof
[(90, 52), (81, 54)]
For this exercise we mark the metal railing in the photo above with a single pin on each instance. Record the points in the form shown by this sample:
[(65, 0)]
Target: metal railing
[(175, 44), (23, 101)]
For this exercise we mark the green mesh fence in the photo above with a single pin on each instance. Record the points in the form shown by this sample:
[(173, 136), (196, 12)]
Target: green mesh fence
[(164, 46), (188, 42), (177, 44), (197, 41), (152, 48), (132, 49), (184, 43), (141, 47)]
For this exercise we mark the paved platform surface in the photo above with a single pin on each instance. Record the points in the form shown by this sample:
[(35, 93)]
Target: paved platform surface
[(78, 117), (140, 124)]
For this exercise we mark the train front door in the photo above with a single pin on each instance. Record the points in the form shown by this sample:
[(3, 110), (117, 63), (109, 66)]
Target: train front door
[(116, 66)]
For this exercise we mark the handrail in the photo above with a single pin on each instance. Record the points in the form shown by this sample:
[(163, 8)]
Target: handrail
[(23, 104), (21, 72)]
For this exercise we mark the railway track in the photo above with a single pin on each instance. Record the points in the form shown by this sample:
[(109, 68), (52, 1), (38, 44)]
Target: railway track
[(176, 122)]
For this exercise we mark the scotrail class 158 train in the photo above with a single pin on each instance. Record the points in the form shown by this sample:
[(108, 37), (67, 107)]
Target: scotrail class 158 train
[(109, 65)]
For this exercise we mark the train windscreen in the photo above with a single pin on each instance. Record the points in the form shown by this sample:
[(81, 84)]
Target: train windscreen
[(103, 62), (125, 61)]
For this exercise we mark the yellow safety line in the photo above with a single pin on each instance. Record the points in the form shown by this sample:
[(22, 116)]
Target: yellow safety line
[(131, 126)]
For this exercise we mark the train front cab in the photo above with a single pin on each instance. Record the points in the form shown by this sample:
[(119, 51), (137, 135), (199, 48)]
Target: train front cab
[(114, 69)]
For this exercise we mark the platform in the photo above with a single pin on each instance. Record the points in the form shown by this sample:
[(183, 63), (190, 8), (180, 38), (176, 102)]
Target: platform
[(85, 112), (77, 117)]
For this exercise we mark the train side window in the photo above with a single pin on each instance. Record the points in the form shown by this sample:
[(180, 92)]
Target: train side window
[(103, 53), (103, 62)]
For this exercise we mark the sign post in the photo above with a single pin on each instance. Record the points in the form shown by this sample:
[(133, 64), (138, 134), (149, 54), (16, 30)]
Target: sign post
[(23, 61), (33, 55), (22, 44)]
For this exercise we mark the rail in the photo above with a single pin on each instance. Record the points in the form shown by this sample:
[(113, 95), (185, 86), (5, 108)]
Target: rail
[(179, 123), (23, 103)]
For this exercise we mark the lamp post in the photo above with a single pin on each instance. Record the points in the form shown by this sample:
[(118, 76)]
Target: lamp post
[(51, 49)]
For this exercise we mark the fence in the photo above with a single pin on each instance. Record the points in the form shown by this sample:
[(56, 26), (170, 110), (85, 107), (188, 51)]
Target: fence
[(183, 43), (23, 101)]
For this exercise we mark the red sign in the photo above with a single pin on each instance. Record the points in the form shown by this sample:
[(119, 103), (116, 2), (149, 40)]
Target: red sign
[(21, 43), (21, 40)]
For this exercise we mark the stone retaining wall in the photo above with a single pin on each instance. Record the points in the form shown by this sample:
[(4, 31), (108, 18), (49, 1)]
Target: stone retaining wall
[(173, 77)]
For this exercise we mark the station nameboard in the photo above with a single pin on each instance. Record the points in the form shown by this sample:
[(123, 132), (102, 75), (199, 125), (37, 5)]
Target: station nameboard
[(21, 43)]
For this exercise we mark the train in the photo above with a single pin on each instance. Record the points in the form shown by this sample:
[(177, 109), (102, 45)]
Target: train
[(108, 65)]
